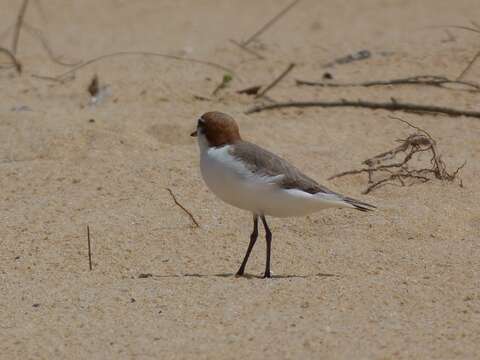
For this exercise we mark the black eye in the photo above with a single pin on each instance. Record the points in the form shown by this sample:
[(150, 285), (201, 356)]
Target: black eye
[(200, 123)]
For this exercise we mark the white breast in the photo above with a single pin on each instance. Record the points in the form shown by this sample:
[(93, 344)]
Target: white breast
[(231, 181)]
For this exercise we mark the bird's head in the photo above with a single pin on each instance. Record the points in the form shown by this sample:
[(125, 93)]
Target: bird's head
[(216, 129)]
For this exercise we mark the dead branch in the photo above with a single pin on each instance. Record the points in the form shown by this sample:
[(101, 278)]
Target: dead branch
[(270, 23), (450, 37), (54, 79), (400, 177), (143, 53), (470, 64), (391, 106), (427, 80), (476, 29), (182, 207), (276, 81), (250, 51), (14, 60), (18, 26), (403, 171)]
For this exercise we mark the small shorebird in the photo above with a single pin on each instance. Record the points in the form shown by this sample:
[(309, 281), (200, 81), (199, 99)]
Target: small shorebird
[(251, 178)]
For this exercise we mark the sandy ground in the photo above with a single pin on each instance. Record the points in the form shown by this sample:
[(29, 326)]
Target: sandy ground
[(405, 281)]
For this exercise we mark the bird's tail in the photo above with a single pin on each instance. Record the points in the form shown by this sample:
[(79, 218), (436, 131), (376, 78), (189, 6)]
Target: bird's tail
[(359, 205)]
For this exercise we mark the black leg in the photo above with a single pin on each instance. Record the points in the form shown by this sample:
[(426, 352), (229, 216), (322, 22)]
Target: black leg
[(253, 238), (268, 237)]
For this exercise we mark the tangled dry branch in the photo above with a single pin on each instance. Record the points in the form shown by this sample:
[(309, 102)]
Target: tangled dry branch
[(405, 172)]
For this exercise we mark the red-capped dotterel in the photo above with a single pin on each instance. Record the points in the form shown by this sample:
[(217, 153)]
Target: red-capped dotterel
[(251, 178)]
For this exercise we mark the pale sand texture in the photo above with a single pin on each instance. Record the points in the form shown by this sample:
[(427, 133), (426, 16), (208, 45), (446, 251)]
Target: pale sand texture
[(406, 281)]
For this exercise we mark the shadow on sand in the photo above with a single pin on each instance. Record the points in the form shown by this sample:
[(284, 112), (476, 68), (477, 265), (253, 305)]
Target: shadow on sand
[(232, 275)]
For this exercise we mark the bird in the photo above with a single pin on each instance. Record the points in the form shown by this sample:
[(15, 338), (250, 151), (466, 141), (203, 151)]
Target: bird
[(251, 178)]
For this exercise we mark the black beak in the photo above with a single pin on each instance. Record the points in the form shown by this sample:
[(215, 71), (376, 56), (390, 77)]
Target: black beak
[(194, 134)]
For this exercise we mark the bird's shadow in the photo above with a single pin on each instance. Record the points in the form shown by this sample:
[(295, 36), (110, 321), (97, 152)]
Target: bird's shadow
[(232, 275)]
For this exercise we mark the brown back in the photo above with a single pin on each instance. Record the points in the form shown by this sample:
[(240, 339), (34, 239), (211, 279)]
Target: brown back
[(263, 162)]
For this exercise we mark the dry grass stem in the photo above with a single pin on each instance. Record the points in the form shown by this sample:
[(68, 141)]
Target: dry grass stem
[(276, 81), (18, 26), (182, 207)]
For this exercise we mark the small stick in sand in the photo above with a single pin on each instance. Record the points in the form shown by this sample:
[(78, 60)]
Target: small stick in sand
[(147, 54), (182, 207), (89, 249), (470, 64), (14, 60), (270, 23), (250, 51), (427, 80), (276, 81), (450, 37), (475, 29), (18, 26)]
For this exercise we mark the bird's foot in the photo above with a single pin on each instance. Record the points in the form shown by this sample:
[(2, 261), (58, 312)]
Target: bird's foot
[(239, 273)]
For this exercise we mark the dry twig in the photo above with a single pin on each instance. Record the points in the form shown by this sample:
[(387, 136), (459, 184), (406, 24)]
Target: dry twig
[(393, 105), (470, 64), (402, 173), (243, 45), (54, 79), (476, 29), (450, 37), (250, 51), (276, 81), (270, 23), (140, 53), (89, 248), (14, 60), (182, 207), (427, 80), (18, 26)]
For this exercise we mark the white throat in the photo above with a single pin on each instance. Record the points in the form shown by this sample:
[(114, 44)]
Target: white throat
[(202, 142)]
